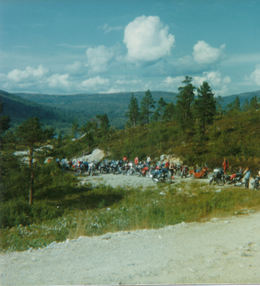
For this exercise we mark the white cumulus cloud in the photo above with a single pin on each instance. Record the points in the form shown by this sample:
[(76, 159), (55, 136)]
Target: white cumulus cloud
[(173, 81), (147, 39), (218, 83), (255, 76), (203, 53), (94, 82), (74, 67), (18, 75), (214, 78), (58, 80), (98, 58)]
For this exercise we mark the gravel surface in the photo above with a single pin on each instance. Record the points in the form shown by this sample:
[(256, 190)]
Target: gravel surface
[(219, 251), (119, 180)]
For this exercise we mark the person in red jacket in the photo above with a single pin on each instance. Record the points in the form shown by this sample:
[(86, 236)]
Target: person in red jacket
[(225, 165), (136, 160)]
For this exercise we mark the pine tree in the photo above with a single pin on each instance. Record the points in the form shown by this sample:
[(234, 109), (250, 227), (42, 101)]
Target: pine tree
[(133, 113), (235, 105), (147, 105), (90, 129), (169, 112), (205, 107), (160, 110), (185, 102), (245, 105), (254, 105), (4, 121), (75, 129), (104, 124), (31, 134)]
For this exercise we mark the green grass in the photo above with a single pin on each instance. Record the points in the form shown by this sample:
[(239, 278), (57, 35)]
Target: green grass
[(95, 211)]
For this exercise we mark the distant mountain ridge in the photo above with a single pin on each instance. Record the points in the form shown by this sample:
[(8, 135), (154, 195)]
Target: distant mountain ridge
[(63, 109), (19, 109), (86, 106)]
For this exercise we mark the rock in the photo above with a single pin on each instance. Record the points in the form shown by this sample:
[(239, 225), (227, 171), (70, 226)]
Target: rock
[(96, 155)]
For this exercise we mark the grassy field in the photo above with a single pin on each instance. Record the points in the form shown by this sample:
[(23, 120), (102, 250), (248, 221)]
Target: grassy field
[(94, 211)]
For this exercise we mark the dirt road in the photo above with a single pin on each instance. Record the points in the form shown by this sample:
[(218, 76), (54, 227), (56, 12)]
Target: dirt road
[(219, 251)]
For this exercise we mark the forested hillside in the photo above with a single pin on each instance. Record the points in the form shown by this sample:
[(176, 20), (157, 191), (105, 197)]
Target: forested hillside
[(86, 106), (196, 128), (19, 109), (61, 111)]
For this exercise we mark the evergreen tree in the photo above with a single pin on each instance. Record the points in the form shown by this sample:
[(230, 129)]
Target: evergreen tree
[(31, 134), (184, 103), (245, 105), (147, 104), (235, 105), (254, 105), (169, 112), (75, 129), (104, 124), (4, 121), (160, 110), (133, 113), (91, 129), (205, 107)]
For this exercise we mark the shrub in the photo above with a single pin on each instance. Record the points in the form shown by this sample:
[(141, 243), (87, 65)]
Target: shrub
[(14, 213), (43, 211), (19, 212)]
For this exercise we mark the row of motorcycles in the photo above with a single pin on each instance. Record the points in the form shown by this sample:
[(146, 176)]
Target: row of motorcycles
[(237, 179), (158, 173)]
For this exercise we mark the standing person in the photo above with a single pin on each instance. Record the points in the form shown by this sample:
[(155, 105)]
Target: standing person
[(125, 159), (148, 160), (247, 174), (136, 160), (225, 165)]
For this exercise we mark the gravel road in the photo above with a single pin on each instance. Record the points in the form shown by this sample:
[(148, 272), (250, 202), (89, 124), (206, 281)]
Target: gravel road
[(219, 251)]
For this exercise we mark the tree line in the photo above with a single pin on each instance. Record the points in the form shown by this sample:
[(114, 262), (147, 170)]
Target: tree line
[(195, 107)]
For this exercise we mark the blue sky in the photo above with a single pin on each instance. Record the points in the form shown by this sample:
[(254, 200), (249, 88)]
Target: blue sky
[(67, 47)]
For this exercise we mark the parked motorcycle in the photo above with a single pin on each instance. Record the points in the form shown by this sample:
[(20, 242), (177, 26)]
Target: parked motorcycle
[(162, 175), (104, 167), (185, 171), (256, 183), (217, 177), (203, 173), (235, 179), (92, 168)]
